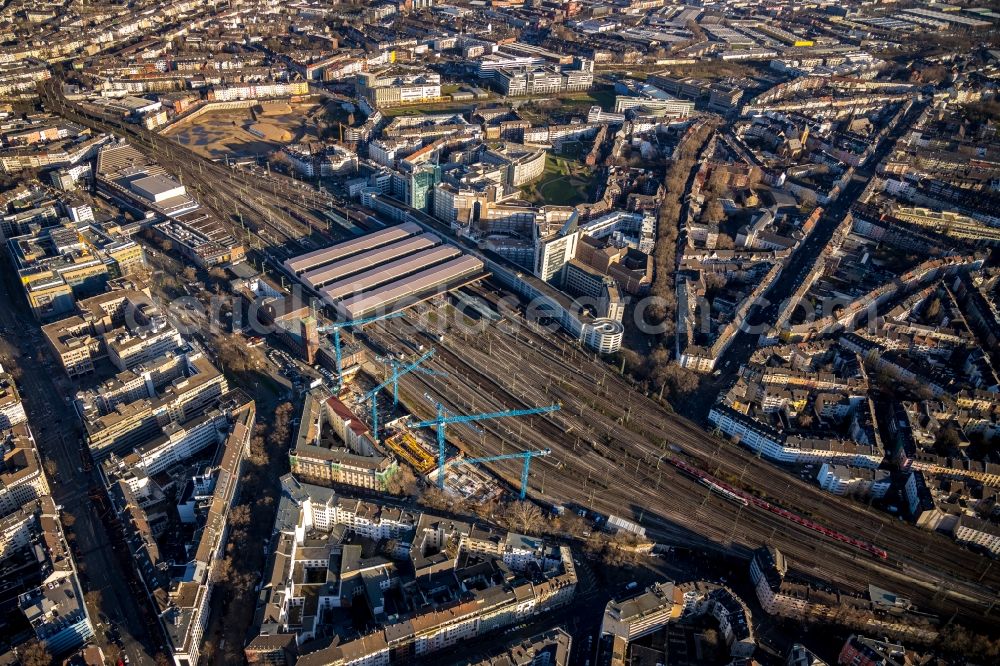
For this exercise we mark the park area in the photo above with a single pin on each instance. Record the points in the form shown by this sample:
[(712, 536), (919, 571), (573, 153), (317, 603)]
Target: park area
[(565, 182), (258, 130)]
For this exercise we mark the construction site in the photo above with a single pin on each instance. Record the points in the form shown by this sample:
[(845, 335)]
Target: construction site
[(234, 130), (352, 434)]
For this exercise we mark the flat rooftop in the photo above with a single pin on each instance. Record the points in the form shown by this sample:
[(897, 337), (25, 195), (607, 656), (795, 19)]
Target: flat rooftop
[(383, 270)]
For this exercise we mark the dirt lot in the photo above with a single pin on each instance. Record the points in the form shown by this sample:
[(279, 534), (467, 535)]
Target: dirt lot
[(221, 133)]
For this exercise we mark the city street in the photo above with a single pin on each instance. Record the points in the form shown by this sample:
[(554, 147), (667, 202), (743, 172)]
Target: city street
[(762, 316), (45, 393)]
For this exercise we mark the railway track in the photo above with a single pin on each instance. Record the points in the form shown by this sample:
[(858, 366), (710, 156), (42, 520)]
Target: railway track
[(605, 440), (780, 488), (266, 208), (609, 438)]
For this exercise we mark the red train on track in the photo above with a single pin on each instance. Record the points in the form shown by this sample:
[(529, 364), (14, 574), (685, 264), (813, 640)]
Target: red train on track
[(728, 491)]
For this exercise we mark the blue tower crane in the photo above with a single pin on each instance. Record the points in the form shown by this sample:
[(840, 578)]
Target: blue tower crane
[(441, 420), (527, 455), (335, 327), (398, 370)]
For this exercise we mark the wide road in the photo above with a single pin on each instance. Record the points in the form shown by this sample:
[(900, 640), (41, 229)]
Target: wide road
[(53, 422)]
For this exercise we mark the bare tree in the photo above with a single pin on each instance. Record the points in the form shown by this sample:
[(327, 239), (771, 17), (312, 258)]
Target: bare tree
[(282, 424), (222, 569), (436, 498), (525, 517), (51, 468), (717, 181), (933, 309), (681, 381), (724, 242), (240, 516), (208, 651), (388, 548), (33, 653), (714, 281), (713, 212), (570, 524), (232, 356), (93, 599), (403, 482), (807, 200), (710, 644)]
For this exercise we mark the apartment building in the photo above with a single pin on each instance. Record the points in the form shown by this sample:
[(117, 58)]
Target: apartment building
[(71, 341), (312, 160), (19, 78), (767, 572), (55, 610), (57, 613), (633, 618), (862, 651), (780, 593), (541, 80), (18, 526), (11, 409), (978, 534), (258, 91), (60, 263), (551, 648), (121, 325), (668, 107), (68, 152), (770, 442), (522, 164), (662, 604), (334, 447), (856, 481), (129, 348), (387, 89), (183, 595), (313, 534), (950, 223), (178, 442), (55, 266), (21, 477)]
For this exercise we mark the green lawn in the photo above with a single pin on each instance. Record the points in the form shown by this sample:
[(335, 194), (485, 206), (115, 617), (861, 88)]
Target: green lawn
[(564, 183), (603, 96)]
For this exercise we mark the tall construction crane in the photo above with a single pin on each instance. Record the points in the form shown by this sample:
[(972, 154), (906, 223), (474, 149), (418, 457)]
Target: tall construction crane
[(398, 370), (442, 420), (527, 455), (344, 324)]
